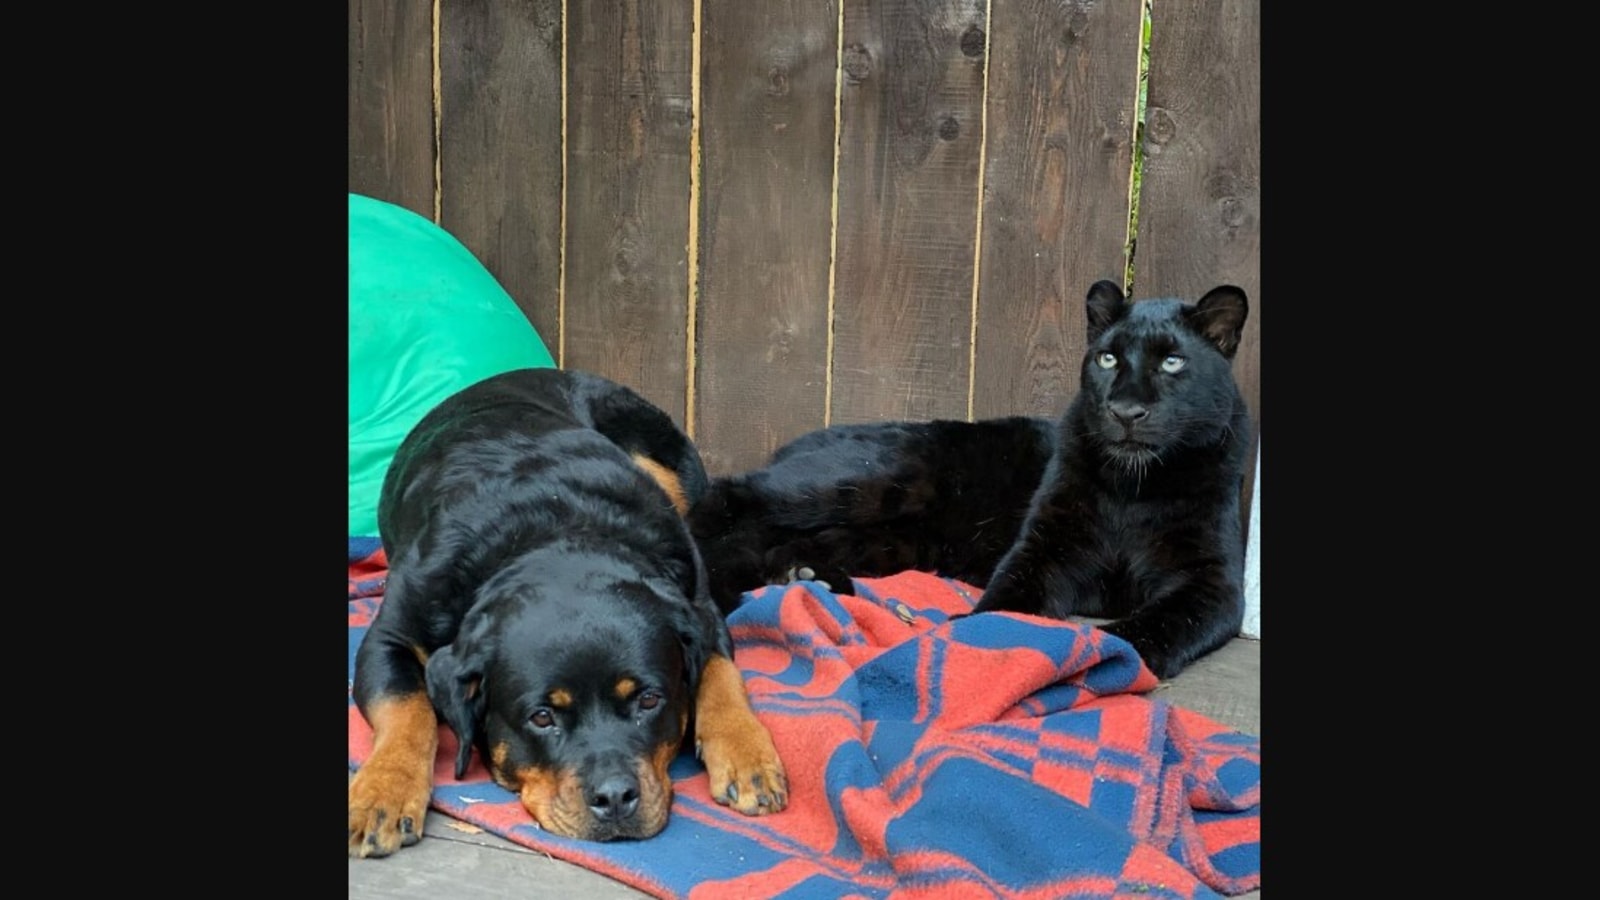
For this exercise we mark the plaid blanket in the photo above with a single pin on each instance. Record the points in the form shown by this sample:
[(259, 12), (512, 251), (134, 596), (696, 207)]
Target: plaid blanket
[(994, 756)]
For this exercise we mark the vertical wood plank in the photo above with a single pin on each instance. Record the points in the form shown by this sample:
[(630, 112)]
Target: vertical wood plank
[(767, 110), (627, 235), (1063, 85), (500, 146), (1200, 198), (391, 102), (910, 134)]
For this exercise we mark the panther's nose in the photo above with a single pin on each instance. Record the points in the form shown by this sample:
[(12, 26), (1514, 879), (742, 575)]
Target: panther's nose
[(615, 797), (1128, 413)]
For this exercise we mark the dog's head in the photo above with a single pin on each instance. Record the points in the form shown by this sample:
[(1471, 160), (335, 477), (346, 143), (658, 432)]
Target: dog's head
[(577, 690)]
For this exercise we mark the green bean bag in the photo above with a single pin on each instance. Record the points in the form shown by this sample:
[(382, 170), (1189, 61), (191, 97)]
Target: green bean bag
[(426, 320)]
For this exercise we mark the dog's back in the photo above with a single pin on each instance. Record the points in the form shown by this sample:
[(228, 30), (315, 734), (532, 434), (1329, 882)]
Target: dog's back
[(487, 444)]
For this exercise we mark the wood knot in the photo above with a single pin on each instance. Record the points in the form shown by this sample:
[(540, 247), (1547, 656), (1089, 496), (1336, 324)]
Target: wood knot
[(777, 81), (1159, 126), (857, 63), (1232, 212), (1221, 184), (972, 41), (949, 128)]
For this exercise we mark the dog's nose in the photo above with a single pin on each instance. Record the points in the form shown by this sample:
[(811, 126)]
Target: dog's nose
[(614, 798), (1128, 413)]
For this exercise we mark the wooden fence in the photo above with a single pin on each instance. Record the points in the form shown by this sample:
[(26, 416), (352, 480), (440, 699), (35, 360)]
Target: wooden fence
[(770, 215)]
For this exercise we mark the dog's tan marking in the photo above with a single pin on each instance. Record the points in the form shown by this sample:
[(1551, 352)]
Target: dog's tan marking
[(498, 755), (420, 654), (668, 480), (389, 794), (626, 687), (554, 799), (560, 698), (655, 788), (740, 758)]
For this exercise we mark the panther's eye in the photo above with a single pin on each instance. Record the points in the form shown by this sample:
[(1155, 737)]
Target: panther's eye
[(542, 718), (1107, 360), (649, 699), (1173, 363)]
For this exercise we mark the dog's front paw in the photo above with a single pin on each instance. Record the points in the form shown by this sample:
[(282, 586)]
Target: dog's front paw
[(387, 806), (744, 770)]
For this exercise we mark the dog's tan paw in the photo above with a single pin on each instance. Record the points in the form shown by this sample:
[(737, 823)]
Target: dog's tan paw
[(387, 808), (745, 771)]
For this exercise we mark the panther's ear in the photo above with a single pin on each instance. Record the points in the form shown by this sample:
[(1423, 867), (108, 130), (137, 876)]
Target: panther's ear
[(1106, 305), (455, 685), (1220, 315)]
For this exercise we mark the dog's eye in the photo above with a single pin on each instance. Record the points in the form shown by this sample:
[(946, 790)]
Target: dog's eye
[(1107, 360), (542, 718), (1173, 363), (649, 700)]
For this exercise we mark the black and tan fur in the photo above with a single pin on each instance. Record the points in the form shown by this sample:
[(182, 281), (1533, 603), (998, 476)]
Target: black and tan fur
[(546, 601)]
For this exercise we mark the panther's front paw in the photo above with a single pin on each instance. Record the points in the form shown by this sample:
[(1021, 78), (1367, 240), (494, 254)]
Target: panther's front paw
[(834, 580), (1162, 660), (803, 573), (387, 806)]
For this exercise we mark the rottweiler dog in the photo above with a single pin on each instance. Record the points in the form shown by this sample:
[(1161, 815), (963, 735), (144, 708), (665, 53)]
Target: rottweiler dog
[(546, 601)]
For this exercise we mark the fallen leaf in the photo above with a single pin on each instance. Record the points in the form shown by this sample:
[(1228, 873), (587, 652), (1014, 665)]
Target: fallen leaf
[(468, 827)]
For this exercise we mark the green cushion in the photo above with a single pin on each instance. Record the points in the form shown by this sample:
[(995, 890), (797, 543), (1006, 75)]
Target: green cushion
[(426, 320)]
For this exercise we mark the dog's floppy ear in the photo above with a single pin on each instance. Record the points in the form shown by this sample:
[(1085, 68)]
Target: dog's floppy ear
[(695, 622), (1105, 305), (697, 630), (455, 685)]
